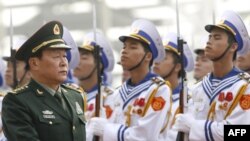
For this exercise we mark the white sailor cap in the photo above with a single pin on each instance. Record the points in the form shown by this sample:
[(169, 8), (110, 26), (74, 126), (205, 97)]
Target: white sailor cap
[(72, 54), (232, 22), (107, 56), (145, 31), (170, 43)]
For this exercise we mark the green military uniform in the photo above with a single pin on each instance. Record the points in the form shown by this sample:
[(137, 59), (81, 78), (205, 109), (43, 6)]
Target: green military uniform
[(31, 112)]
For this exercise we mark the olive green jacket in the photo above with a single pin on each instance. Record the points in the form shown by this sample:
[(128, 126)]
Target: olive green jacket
[(30, 113)]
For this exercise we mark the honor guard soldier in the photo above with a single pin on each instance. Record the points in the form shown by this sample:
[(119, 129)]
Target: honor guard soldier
[(203, 65), (222, 97), (140, 105), (86, 71), (22, 74), (44, 109), (243, 61), (170, 70)]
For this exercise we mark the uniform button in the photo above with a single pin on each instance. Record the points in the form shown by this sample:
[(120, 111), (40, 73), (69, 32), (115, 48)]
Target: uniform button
[(50, 122), (74, 127)]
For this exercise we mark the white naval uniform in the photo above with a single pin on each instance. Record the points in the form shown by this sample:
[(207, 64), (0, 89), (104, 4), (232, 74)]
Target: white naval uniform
[(139, 112), (170, 134), (106, 91), (222, 94), (91, 97)]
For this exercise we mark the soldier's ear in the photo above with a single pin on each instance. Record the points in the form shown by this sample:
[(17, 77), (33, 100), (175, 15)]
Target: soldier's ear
[(234, 47), (178, 67), (33, 62), (149, 56)]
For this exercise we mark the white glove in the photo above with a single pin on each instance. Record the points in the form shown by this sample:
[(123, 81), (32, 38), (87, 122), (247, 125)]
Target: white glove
[(183, 122), (96, 125)]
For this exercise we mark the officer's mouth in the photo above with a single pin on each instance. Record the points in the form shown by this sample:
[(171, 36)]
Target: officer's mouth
[(63, 72)]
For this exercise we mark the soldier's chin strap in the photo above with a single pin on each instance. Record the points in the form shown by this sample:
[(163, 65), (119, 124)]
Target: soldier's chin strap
[(170, 73), (90, 74), (137, 65), (22, 78), (222, 55)]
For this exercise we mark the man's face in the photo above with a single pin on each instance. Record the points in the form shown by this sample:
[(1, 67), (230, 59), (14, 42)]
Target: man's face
[(164, 67), (132, 53), (52, 67), (243, 62), (86, 65), (202, 66), (20, 70), (217, 43)]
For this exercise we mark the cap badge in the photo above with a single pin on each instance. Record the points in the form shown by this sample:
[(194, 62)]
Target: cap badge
[(221, 21), (56, 30), (134, 31), (86, 43)]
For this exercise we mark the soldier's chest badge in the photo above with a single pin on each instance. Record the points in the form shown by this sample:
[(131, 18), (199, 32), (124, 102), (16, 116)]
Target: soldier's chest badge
[(78, 109), (48, 114), (91, 107), (224, 99)]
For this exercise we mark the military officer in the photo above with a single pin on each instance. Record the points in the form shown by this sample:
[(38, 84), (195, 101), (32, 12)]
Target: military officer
[(170, 70), (222, 97), (44, 109), (203, 65), (140, 105)]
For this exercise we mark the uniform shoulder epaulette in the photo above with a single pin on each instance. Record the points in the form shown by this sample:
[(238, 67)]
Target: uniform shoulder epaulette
[(245, 76), (108, 90), (73, 87), (19, 90), (158, 81), (1, 94)]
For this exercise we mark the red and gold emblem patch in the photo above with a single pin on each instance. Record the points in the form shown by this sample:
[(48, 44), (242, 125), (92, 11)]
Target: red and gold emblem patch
[(158, 103), (245, 102)]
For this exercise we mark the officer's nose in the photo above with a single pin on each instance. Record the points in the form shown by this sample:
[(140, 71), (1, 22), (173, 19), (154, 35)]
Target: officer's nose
[(63, 61)]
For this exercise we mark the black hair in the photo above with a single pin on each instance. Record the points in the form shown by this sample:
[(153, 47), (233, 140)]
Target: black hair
[(147, 49), (231, 39)]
